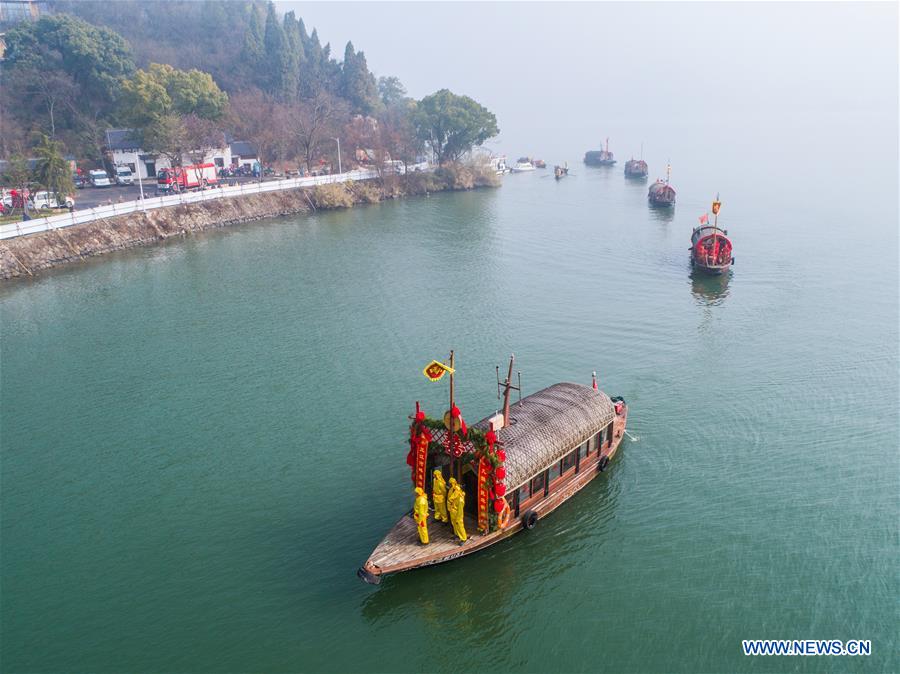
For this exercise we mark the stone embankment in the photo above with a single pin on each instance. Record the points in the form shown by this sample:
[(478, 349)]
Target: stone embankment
[(28, 255)]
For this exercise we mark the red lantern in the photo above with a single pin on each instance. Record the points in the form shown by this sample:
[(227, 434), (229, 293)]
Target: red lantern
[(499, 505), (500, 472), (500, 488), (501, 455)]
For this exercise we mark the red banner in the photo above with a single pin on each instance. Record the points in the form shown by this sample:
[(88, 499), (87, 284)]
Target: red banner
[(421, 460), (484, 467)]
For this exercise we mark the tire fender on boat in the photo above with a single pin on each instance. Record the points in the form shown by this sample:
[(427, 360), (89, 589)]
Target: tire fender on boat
[(604, 462), (529, 520)]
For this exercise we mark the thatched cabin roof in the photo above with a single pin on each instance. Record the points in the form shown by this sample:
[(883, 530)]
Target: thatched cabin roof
[(546, 425)]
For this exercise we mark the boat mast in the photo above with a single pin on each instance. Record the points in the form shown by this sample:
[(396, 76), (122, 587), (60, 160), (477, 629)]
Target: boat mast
[(506, 391)]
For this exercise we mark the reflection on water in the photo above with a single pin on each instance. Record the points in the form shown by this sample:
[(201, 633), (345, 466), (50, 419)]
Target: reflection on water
[(709, 290), (661, 213)]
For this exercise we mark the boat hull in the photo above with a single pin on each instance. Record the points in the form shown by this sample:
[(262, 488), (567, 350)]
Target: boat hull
[(401, 551), (712, 270)]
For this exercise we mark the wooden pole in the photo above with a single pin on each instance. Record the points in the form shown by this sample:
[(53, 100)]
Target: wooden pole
[(506, 393)]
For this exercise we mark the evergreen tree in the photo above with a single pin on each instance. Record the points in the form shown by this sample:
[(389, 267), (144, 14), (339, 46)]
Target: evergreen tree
[(253, 52), (295, 56), (357, 84)]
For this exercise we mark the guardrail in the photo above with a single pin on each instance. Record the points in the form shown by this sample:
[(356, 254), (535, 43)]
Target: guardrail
[(14, 229)]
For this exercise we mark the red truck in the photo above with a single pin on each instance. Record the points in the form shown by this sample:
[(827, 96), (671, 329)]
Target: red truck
[(183, 178)]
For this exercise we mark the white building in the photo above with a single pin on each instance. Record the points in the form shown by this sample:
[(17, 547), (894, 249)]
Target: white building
[(124, 146)]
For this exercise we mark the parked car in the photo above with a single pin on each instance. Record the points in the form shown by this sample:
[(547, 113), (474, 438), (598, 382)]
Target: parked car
[(46, 200), (124, 176), (80, 181), (99, 178)]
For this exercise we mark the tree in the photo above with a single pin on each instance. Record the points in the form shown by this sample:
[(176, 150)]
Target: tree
[(95, 58), (253, 51), (317, 122), (452, 125), (391, 90), (265, 122), (18, 176), (52, 171), (358, 85)]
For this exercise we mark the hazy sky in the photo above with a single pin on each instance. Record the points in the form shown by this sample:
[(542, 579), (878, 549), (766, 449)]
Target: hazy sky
[(566, 75)]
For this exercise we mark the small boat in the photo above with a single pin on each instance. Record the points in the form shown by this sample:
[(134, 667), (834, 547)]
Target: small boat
[(560, 172), (539, 163), (546, 447), (524, 164), (710, 246), (636, 168), (600, 157), (499, 165), (661, 193)]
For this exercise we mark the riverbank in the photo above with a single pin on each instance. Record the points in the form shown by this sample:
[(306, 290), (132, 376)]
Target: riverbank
[(26, 256)]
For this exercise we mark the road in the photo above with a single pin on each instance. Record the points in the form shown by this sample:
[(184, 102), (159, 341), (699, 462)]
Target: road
[(89, 197)]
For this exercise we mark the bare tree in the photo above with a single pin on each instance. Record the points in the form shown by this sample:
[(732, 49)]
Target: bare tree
[(316, 123)]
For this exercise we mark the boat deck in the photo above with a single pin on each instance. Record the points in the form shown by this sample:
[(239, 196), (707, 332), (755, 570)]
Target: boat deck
[(401, 549)]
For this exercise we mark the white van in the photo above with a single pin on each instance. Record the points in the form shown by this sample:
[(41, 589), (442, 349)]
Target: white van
[(99, 178), (45, 200), (124, 176)]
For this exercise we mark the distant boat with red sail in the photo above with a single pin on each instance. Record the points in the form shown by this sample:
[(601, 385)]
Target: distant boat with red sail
[(661, 193), (711, 249)]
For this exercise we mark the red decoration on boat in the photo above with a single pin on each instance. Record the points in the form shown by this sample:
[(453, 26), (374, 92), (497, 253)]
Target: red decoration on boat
[(419, 437), (501, 455), (454, 412), (500, 489), (483, 468), (500, 473), (490, 437), (498, 505)]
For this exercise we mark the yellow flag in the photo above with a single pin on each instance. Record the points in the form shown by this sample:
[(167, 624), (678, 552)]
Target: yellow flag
[(436, 369)]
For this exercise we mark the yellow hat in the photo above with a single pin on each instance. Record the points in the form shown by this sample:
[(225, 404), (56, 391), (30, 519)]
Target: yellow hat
[(438, 471), (453, 481), (419, 491)]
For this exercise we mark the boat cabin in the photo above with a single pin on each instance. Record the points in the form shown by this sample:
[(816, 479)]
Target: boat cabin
[(553, 436)]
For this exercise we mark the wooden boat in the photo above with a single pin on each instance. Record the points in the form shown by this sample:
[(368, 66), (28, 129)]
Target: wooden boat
[(560, 172), (661, 193), (636, 168), (539, 163), (546, 447), (600, 157), (711, 249)]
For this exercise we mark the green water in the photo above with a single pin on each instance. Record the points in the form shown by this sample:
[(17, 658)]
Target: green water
[(202, 441)]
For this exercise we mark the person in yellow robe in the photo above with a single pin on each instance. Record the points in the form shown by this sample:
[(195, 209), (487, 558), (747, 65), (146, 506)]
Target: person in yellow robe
[(420, 515), (439, 496), (456, 499)]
